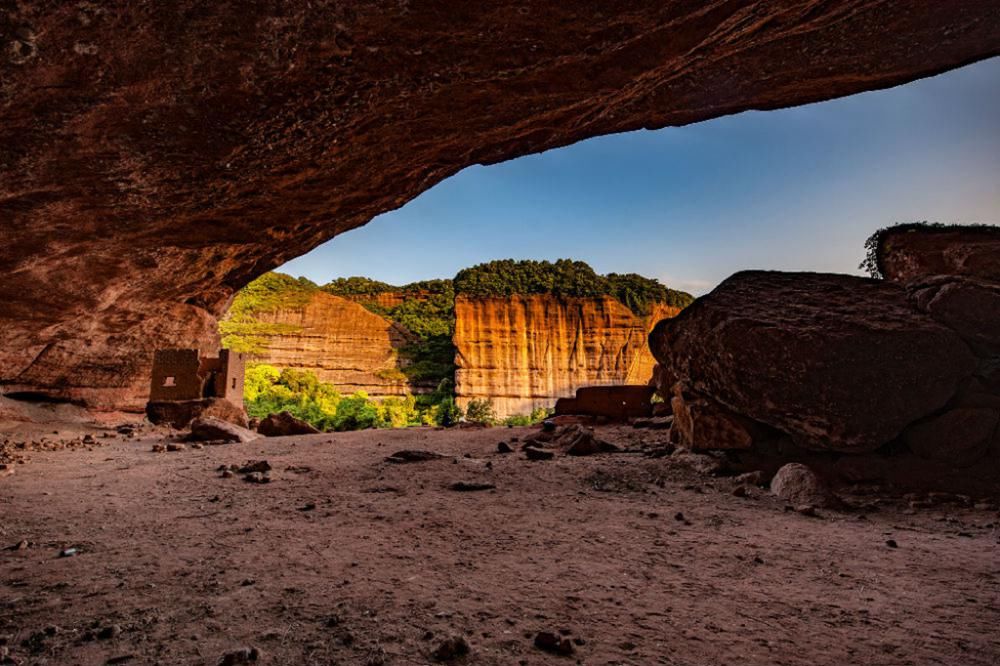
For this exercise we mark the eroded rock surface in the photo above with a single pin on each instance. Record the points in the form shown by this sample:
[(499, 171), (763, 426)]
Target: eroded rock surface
[(910, 252), (837, 362), (523, 352), (155, 157)]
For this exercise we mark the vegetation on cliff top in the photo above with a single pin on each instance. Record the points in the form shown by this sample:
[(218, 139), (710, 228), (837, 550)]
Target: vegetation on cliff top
[(874, 244), (240, 329), (565, 277)]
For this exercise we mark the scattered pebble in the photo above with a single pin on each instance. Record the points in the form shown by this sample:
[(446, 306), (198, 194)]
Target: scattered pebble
[(548, 641)]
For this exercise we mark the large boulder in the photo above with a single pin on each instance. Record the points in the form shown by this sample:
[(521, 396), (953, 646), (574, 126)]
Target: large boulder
[(959, 436), (283, 424), (797, 484), (210, 429), (837, 362), (969, 306), (914, 251)]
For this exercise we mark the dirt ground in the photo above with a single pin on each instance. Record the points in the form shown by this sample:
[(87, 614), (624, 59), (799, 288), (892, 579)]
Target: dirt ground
[(344, 558)]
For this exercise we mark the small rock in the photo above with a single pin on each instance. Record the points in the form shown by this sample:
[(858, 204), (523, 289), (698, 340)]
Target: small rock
[(548, 641), (69, 552), (159, 448), (209, 429), (807, 510), (88, 439), (537, 454), (247, 655), (109, 632), (411, 456), (797, 484), (451, 648), (197, 446), (740, 491), (891, 543), (176, 447), (257, 477), (504, 447), (470, 486), (226, 474), (254, 466)]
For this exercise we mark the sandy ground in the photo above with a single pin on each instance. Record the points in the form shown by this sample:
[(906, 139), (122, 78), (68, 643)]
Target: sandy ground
[(346, 559)]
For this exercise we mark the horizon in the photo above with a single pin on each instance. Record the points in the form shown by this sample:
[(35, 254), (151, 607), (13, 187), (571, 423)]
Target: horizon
[(803, 188)]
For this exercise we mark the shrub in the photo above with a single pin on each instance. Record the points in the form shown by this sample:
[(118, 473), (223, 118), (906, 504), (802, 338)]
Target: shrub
[(480, 411)]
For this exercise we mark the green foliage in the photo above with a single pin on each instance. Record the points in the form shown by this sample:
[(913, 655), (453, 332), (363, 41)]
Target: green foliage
[(480, 411), (357, 286), (874, 244), (537, 415), (240, 329), (564, 277), (268, 390)]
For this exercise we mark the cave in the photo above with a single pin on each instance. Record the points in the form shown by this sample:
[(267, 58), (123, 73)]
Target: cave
[(139, 192), (155, 158)]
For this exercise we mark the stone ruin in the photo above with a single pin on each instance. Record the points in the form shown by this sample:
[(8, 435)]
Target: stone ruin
[(619, 402), (186, 385)]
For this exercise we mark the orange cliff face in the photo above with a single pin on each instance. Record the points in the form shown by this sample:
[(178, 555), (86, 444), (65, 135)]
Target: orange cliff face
[(524, 352), (339, 340)]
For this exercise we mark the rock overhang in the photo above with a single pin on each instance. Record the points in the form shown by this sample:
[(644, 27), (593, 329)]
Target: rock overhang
[(156, 157)]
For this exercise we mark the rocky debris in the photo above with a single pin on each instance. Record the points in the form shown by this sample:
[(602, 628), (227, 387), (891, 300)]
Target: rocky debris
[(109, 632), (700, 463), (552, 642), (252, 466), (257, 477), (504, 447), (959, 436), (800, 486), (180, 413), (210, 429), (910, 252), (471, 486), (654, 422), (533, 453), (577, 440), (413, 456), (817, 356), (451, 648), (247, 655), (159, 448), (284, 424), (174, 447)]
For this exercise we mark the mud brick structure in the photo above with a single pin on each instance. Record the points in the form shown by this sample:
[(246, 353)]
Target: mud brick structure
[(619, 402), (184, 374)]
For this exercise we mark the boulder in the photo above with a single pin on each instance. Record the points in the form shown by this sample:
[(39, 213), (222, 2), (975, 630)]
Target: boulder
[(620, 402), (959, 437), (837, 362), (910, 252), (211, 429), (180, 413), (701, 424), (968, 306), (800, 486), (283, 424)]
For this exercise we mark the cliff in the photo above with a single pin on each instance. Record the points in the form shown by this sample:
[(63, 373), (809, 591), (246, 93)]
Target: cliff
[(524, 352), (339, 340)]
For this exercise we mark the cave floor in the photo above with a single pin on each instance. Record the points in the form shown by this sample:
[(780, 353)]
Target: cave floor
[(346, 559)]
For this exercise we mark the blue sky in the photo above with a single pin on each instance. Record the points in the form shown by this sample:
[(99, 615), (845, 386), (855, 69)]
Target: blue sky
[(796, 189)]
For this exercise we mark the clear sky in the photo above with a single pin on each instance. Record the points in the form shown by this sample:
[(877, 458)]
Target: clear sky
[(796, 189)]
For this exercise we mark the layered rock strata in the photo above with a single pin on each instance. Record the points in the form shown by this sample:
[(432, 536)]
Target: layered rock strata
[(525, 352)]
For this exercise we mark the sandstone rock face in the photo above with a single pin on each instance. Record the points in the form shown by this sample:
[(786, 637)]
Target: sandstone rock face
[(910, 253), (524, 352), (155, 157), (339, 340), (837, 362)]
